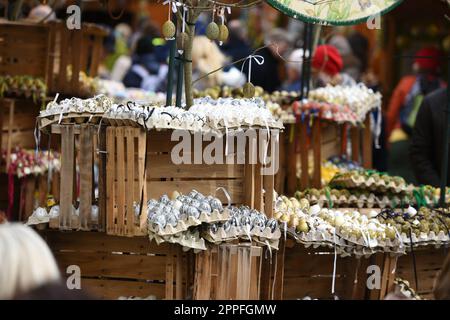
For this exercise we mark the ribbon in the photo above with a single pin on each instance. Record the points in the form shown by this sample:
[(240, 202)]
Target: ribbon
[(173, 5), (227, 195), (258, 59), (419, 195), (37, 138), (328, 195)]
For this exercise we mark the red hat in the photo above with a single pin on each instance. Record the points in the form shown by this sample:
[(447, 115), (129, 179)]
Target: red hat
[(430, 59), (327, 58)]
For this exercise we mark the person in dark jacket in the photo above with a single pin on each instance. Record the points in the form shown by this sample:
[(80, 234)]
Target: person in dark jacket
[(147, 71), (427, 139), (267, 75)]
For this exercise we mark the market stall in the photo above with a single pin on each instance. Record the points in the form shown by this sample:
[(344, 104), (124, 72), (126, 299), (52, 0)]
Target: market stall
[(215, 194)]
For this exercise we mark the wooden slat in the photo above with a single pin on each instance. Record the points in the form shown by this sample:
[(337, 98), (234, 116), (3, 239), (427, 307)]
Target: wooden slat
[(292, 159), (61, 83), (10, 129), (101, 242), (280, 177), (316, 143), (95, 264), (249, 176), (86, 178), (169, 273), (161, 166), (367, 144), (258, 187), (266, 277), (67, 165), (179, 274), (120, 164), (102, 180), (113, 289), (304, 149), (232, 281), (268, 195), (355, 134), (142, 190), (202, 275), (77, 45), (129, 196), (279, 276), (110, 177)]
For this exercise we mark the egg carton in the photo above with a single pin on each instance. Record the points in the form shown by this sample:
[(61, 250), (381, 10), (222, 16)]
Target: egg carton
[(426, 239), (223, 233), (183, 225), (188, 240), (361, 182)]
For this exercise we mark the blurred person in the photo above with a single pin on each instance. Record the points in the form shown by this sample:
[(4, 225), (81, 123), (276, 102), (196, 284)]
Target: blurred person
[(403, 108), (427, 139), (351, 63), (123, 60), (237, 46), (26, 261), (441, 288), (267, 75), (409, 93), (293, 71), (207, 57), (360, 49), (326, 68), (147, 71)]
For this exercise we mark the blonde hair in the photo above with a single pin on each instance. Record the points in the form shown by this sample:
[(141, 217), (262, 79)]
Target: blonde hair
[(207, 57), (26, 261)]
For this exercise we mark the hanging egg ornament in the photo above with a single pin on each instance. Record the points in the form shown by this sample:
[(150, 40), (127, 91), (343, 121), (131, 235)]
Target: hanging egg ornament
[(223, 33), (168, 29), (182, 39), (249, 90), (212, 31)]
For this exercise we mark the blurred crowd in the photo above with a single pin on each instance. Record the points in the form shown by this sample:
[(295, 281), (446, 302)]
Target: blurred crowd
[(139, 58)]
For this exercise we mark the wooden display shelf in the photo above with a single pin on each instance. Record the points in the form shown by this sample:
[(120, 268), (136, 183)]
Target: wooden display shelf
[(429, 261), (301, 146), (52, 52), (309, 272), (113, 267)]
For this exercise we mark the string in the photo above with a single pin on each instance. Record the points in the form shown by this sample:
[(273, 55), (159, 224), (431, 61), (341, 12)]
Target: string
[(258, 59), (227, 195), (334, 264)]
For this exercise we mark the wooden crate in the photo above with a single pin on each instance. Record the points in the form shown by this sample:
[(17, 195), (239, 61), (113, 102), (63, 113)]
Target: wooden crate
[(228, 272), (113, 267), (49, 50), (73, 51), (429, 261), (79, 144), (126, 173), (309, 272), (125, 149), (24, 49)]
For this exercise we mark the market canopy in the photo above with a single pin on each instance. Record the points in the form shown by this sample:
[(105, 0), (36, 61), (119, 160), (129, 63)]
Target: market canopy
[(334, 12)]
